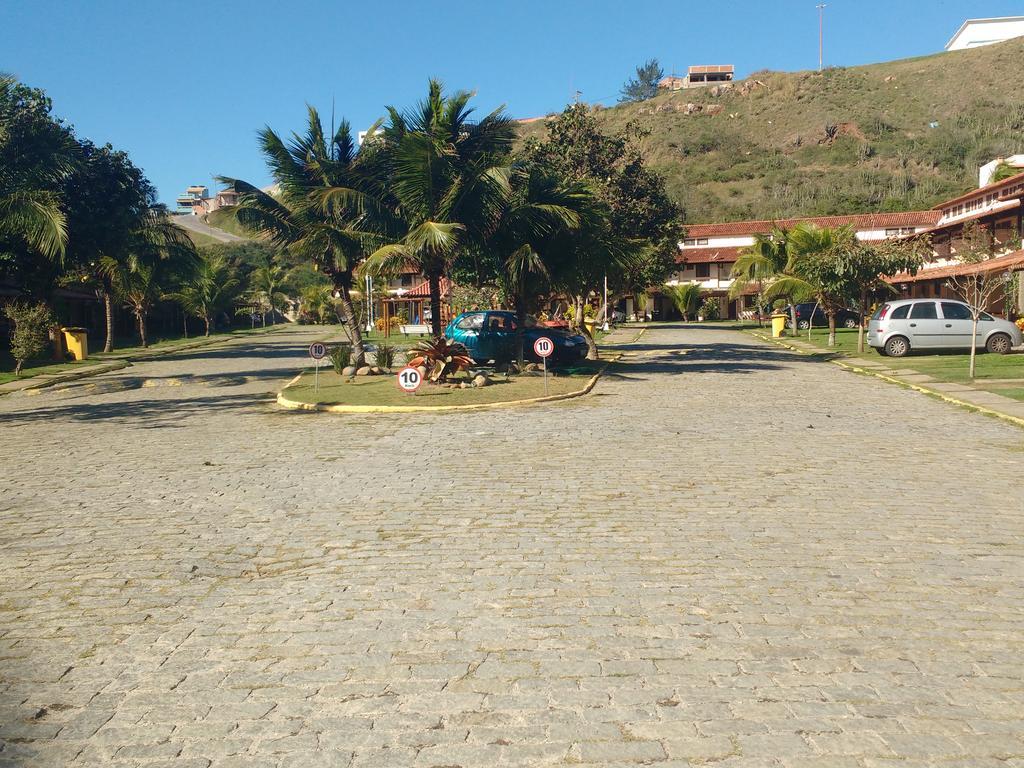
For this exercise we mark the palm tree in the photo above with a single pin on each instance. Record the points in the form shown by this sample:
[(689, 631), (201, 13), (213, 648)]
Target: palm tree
[(32, 168), (265, 283), (210, 291), (326, 209), (806, 244), (758, 264), (155, 252), (686, 298), (448, 177), (537, 206)]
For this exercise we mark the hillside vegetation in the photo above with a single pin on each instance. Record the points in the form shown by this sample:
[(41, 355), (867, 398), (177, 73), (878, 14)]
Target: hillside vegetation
[(846, 140)]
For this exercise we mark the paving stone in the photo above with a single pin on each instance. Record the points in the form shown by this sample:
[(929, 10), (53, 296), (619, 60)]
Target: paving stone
[(724, 564)]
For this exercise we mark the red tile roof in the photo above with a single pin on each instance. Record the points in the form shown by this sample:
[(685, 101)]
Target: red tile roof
[(422, 291), (859, 221), (707, 255), (1008, 261), (982, 191)]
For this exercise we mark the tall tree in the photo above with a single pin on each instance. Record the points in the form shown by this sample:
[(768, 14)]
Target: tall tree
[(448, 177), (538, 206), (645, 85), (111, 206), (210, 291), (635, 237), (758, 264), (327, 209), (37, 152), (809, 274)]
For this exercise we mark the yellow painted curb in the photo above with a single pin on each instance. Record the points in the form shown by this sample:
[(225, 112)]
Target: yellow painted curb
[(300, 406), (916, 387)]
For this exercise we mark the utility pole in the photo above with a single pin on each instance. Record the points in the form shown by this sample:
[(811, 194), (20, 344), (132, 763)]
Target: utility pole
[(821, 38)]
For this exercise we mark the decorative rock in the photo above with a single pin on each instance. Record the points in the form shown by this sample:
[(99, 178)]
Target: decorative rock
[(480, 380), (364, 371), (348, 370), (376, 370), (463, 385)]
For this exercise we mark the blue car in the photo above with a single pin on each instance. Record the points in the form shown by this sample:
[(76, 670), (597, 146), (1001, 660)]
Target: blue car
[(491, 335)]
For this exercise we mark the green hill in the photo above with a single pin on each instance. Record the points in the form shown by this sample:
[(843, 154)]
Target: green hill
[(846, 140)]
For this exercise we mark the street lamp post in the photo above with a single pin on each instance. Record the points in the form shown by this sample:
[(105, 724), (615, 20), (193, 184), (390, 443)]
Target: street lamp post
[(821, 37)]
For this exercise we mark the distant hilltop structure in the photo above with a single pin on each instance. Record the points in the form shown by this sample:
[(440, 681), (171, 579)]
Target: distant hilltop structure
[(699, 76), (196, 200), (974, 33)]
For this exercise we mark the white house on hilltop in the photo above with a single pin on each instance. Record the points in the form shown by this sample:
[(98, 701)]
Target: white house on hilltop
[(977, 32)]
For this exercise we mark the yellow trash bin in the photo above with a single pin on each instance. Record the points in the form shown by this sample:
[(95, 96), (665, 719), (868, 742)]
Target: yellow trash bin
[(778, 325), (77, 342)]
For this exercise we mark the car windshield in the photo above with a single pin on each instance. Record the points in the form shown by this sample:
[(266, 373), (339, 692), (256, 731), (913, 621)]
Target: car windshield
[(472, 322)]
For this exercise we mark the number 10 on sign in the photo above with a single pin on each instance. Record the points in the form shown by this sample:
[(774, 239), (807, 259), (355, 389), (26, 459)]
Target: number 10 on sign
[(543, 347), (409, 379)]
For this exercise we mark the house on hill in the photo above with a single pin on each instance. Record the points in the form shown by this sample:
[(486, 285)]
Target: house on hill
[(974, 33)]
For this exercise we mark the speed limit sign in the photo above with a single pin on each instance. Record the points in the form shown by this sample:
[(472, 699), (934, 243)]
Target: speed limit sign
[(543, 346), (409, 379), (318, 350)]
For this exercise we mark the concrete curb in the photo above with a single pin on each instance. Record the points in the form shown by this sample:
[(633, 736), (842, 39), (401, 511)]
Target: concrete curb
[(74, 376), (322, 408), (895, 380)]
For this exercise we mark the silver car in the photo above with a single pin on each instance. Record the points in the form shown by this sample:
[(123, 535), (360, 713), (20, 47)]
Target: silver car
[(925, 324)]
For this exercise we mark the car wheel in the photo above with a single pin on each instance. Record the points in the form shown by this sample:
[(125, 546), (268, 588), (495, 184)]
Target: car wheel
[(999, 344), (850, 322), (897, 346), (803, 325), (881, 351)]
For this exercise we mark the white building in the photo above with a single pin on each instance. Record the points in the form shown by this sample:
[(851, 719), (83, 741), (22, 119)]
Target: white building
[(977, 32), (708, 252)]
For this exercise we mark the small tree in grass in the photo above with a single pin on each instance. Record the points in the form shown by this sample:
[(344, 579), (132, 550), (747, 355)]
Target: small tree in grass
[(978, 285), (31, 334), (863, 267)]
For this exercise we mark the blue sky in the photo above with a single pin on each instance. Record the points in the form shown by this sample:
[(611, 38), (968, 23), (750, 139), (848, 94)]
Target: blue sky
[(184, 90)]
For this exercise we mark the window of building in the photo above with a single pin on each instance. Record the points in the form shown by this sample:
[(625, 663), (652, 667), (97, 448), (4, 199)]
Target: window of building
[(695, 241), (703, 270), (406, 281)]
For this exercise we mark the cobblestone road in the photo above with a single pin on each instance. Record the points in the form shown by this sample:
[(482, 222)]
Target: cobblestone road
[(733, 556)]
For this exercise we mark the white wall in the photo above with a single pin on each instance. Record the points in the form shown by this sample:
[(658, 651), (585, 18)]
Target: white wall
[(979, 32)]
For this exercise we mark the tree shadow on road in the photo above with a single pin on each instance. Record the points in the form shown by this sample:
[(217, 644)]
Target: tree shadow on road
[(144, 413)]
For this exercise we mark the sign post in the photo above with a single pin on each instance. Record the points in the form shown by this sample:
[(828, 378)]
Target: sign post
[(317, 350), (543, 347), (409, 379)]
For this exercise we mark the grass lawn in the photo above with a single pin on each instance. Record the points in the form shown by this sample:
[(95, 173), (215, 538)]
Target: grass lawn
[(951, 367), (383, 390)]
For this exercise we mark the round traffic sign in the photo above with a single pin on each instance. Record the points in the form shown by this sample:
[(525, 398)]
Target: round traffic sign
[(543, 347), (409, 379), (318, 350)]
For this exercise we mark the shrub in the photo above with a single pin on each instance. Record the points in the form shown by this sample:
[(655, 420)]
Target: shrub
[(341, 357), (31, 333), (385, 356), (394, 321), (710, 309), (441, 358)]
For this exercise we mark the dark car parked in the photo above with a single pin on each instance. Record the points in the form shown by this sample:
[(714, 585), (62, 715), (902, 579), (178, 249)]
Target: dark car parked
[(491, 335), (845, 318)]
